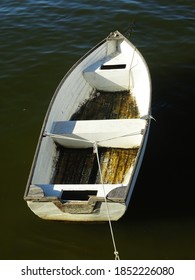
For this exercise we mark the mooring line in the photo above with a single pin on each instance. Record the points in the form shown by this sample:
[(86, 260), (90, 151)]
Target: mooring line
[(95, 150)]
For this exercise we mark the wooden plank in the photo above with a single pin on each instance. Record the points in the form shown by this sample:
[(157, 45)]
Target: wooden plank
[(79, 166), (35, 192), (108, 105)]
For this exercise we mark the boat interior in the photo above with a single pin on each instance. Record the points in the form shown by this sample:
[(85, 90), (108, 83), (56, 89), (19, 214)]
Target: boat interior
[(78, 164), (108, 120)]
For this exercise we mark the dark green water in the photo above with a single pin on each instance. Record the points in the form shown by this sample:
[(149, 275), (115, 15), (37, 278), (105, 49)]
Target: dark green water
[(40, 40)]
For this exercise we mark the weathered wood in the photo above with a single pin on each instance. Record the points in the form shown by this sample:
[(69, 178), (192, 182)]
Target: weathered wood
[(35, 192), (43, 199), (108, 105), (94, 199), (119, 193), (76, 207), (79, 166)]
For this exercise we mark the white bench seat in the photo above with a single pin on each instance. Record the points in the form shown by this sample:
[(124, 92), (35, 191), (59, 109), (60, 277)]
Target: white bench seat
[(118, 133), (111, 74)]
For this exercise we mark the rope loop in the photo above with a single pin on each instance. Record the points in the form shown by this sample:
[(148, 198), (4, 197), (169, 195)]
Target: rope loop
[(95, 148), (116, 255)]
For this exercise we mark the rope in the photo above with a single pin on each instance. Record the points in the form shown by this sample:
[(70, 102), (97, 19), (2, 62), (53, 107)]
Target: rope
[(63, 136), (95, 150)]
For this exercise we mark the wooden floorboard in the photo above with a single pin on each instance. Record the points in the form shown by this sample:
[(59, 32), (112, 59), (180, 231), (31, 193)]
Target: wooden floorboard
[(79, 166), (106, 105)]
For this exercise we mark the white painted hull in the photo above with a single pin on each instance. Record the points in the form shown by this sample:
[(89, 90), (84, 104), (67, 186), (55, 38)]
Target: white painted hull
[(114, 65), (49, 211)]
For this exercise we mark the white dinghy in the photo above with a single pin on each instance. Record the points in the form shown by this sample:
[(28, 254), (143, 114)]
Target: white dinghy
[(93, 137)]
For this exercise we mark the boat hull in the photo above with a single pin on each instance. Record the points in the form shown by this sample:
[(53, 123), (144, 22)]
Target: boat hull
[(94, 136), (49, 211)]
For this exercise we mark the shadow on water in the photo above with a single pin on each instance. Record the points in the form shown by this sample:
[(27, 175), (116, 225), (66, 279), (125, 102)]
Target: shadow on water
[(162, 207), (169, 153)]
